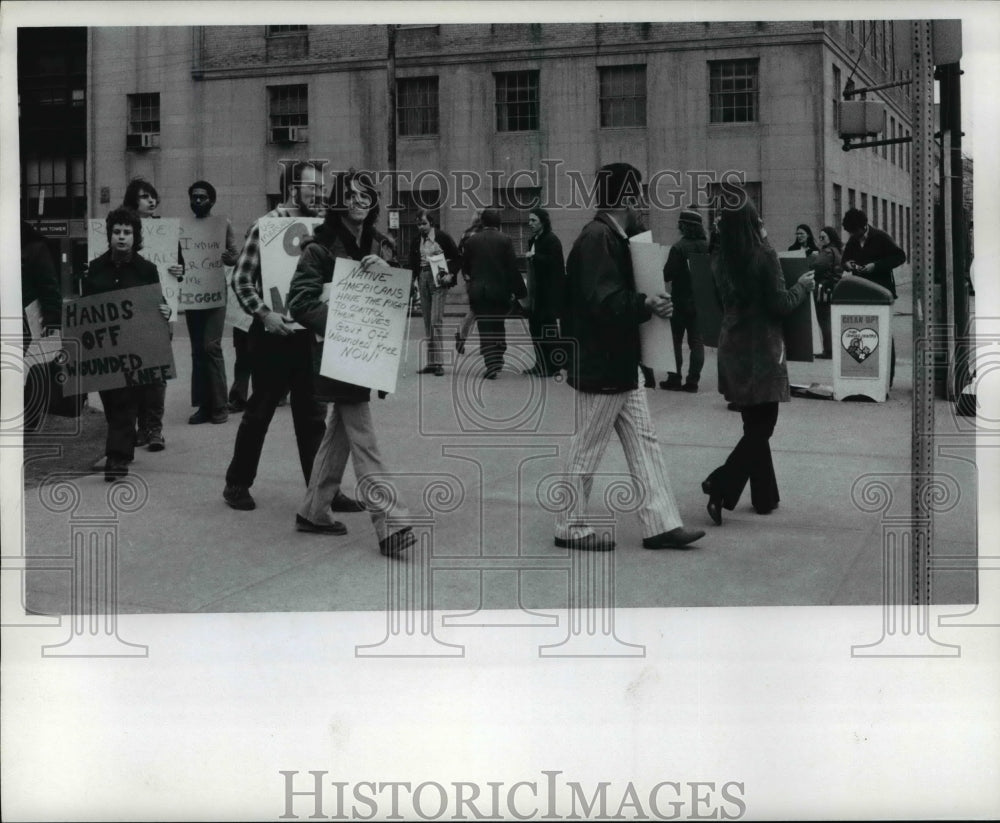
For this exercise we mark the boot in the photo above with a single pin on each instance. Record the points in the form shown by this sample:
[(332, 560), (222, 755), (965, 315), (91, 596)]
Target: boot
[(673, 382)]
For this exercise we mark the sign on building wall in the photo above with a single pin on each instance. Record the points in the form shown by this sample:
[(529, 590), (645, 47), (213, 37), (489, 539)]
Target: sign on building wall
[(365, 324), (280, 247), (203, 241), (123, 340)]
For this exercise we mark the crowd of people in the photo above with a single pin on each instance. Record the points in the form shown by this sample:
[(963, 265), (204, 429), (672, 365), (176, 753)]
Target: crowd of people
[(584, 315)]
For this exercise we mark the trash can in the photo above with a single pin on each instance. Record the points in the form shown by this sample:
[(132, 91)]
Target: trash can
[(861, 327)]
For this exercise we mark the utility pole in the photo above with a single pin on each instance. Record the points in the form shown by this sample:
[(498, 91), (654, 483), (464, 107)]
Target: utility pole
[(390, 71)]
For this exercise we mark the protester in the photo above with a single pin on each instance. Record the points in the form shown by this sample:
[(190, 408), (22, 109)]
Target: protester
[(208, 366), (804, 240), (348, 231), (39, 282), (825, 264), (431, 249), (280, 354), (872, 254), (142, 198), (601, 324), (546, 290), (469, 319), (751, 359), (684, 320), (490, 260), (121, 267)]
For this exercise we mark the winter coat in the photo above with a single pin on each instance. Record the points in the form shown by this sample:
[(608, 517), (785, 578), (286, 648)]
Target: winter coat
[(548, 281), (603, 311), (677, 271), (489, 260), (305, 304), (752, 366), (448, 247), (39, 279), (103, 275), (826, 264), (879, 249)]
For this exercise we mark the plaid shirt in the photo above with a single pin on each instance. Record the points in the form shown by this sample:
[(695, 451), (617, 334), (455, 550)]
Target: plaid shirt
[(246, 276)]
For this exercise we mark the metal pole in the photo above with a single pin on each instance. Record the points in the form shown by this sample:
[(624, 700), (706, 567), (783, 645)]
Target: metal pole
[(951, 78), (390, 71), (922, 435)]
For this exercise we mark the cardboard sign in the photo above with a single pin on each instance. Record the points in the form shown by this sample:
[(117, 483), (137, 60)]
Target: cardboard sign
[(280, 247), (159, 246), (203, 240), (123, 340), (365, 324), (860, 338), (656, 338), (41, 350), (797, 326), (706, 303), (235, 316)]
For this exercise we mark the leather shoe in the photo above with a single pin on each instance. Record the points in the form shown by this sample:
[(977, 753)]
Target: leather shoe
[(588, 543), (238, 497), (141, 438), (303, 525), (200, 416), (220, 416), (115, 470), (397, 541), (156, 443), (427, 369), (678, 538), (715, 510), (439, 371), (690, 387), (343, 503)]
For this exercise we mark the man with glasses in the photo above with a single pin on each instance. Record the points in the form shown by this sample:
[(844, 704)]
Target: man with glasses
[(280, 353)]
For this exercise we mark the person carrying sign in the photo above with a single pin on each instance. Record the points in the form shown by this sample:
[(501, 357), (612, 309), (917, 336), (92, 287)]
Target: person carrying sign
[(280, 355), (121, 267), (208, 366), (348, 231)]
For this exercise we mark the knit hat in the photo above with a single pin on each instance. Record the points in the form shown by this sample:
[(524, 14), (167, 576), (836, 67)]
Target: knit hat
[(690, 216)]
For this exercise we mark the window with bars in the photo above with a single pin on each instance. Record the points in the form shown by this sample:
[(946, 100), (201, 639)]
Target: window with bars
[(288, 113), (417, 106), (513, 205), (733, 91), (517, 100), (144, 113), (622, 96)]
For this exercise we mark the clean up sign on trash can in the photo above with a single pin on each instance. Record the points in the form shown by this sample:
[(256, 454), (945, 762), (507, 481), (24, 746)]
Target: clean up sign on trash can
[(861, 318)]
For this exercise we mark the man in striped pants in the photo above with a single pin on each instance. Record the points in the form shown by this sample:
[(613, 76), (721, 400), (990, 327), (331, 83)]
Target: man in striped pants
[(602, 316)]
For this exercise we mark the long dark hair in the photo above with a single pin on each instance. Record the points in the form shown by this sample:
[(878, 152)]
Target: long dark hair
[(811, 244), (136, 186), (740, 241), (543, 216), (340, 193), (834, 236)]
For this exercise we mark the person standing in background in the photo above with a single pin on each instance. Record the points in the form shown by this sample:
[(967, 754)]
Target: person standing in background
[(825, 263), (208, 366), (547, 288), (469, 320), (804, 240), (432, 249), (39, 281)]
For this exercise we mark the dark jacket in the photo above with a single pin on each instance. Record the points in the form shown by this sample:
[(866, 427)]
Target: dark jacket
[(39, 279), (451, 253), (103, 275), (752, 366), (603, 311), (305, 304), (879, 249), (826, 264), (548, 281), (677, 271), (491, 264)]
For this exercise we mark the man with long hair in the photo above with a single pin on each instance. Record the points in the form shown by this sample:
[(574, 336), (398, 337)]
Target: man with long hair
[(601, 325)]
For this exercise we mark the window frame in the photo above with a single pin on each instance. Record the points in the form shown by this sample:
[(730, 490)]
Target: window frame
[(606, 108), (717, 107), (503, 117), (432, 107)]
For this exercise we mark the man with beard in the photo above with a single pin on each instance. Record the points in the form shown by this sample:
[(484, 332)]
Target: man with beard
[(603, 312), (280, 354), (208, 366)]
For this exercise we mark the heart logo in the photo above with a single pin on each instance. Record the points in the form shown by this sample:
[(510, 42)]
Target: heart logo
[(859, 343)]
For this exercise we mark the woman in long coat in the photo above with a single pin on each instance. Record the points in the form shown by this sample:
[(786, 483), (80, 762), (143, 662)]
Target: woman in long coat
[(547, 285), (826, 265), (752, 369)]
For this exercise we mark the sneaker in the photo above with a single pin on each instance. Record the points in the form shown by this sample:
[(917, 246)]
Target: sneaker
[(141, 438), (673, 382), (343, 503), (156, 442), (397, 542), (303, 525), (201, 416), (238, 497), (220, 416)]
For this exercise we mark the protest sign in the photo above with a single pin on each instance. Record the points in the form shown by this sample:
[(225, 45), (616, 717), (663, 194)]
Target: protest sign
[(365, 324), (41, 350), (121, 339), (706, 302), (648, 259), (798, 326), (202, 240), (159, 246), (280, 246), (235, 316)]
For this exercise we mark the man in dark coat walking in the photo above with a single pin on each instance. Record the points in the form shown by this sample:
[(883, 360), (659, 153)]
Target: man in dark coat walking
[(491, 263)]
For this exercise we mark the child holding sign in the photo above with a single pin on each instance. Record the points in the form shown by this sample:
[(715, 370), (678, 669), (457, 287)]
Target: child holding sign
[(121, 267)]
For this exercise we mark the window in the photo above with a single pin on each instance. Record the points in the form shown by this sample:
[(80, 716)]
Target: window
[(63, 181), (838, 205), (517, 100), (885, 214), (836, 99), (144, 113), (286, 42), (622, 96), (873, 217), (909, 227), (907, 147), (513, 205), (271, 31), (892, 133), (733, 91), (892, 225), (864, 203), (417, 106), (851, 202), (288, 113), (78, 97)]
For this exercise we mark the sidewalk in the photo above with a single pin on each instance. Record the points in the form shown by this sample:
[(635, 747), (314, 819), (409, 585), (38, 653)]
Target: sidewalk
[(476, 461)]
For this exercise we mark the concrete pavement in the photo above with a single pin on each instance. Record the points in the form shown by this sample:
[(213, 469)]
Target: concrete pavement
[(476, 461)]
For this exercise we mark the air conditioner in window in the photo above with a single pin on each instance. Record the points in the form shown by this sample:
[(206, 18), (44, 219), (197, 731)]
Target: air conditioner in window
[(142, 140), (289, 134)]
